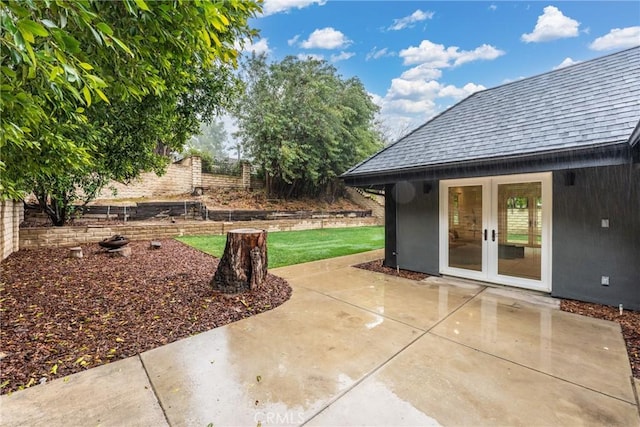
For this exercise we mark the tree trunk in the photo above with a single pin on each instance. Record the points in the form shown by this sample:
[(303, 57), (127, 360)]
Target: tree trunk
[(243, 265)]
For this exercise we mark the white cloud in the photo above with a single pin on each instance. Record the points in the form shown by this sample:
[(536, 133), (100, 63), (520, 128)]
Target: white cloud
[(551, 25), (314, 56), (617, 38), (270, 7), (410, 21), (484, 52), (376, 53), (293, 40), (342, 56), (437, 56), (458, 93), (422, 71), (413, 89), (377, 99), (326, 38), (493, 7), (259, 47), (565, 63)]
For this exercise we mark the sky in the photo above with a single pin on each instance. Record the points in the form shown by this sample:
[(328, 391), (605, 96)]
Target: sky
[(417, 58)]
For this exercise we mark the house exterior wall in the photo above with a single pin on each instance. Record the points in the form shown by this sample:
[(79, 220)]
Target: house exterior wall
[(417, 226), (583, 251)]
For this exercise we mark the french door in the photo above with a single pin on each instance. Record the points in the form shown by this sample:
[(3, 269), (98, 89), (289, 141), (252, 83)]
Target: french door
[(497, 229)]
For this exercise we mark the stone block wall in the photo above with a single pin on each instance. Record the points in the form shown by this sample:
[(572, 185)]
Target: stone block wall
[(11, 215), (181, 177), (178, 179), (39, 237)]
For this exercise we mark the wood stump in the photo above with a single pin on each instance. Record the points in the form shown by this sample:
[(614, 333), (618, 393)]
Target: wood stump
[(243, 265)]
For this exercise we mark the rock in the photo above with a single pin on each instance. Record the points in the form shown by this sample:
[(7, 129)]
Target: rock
[(124, 251), (75, 252), (155, 244)]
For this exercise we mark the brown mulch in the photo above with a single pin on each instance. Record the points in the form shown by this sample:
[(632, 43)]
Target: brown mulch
[(377, 266), (629, 320), (61, 315), (629, 323)]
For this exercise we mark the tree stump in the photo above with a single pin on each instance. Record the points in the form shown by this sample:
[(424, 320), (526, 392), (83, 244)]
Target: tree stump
[(243, 265)]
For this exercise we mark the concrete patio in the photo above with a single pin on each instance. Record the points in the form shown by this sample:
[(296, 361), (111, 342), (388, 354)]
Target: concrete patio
[(354, 347)]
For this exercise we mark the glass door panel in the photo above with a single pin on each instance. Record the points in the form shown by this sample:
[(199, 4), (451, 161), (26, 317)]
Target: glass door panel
[(465, 227), (519, 215)]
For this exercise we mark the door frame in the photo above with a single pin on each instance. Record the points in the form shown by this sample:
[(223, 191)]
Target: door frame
[(489, 271)]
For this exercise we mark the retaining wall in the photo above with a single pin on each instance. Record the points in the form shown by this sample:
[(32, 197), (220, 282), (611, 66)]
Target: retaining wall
[(181, 177), (11, 215), (39, 237)]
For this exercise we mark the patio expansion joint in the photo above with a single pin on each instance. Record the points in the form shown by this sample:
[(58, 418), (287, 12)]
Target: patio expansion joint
[(539, 371), (394, 355), (153, 389), (635, 392)]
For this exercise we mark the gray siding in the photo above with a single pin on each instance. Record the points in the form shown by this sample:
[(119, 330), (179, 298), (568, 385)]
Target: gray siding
[(583, 251), (417, 222)]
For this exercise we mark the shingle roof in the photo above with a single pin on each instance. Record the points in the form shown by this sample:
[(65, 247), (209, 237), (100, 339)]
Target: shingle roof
[(580, 106)]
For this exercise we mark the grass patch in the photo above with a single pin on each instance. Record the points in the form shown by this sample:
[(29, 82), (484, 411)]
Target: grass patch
[(295, 247)]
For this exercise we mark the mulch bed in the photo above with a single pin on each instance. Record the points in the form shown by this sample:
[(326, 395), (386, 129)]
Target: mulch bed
[(377, 266), (629, 320), (61, 315)]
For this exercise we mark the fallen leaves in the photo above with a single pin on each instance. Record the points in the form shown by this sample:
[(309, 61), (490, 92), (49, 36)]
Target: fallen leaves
[(62, 315)]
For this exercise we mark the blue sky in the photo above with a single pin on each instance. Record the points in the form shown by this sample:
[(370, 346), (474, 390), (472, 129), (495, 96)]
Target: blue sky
[(417, 58)]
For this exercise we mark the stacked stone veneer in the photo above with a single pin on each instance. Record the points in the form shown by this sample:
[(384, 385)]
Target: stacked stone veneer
[(11, 215), (180, 177), (38, 237)]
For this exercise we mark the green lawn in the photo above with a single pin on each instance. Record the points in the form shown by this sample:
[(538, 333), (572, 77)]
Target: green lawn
[(295, 247)]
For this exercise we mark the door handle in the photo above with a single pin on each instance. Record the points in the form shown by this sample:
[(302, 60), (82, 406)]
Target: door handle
[(485, 234), (493, 235)]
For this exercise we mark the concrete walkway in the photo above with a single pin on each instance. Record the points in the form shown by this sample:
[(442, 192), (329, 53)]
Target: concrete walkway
[(354, 347)]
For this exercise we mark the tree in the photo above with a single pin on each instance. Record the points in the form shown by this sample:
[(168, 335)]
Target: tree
[(90, 89), (304, 125), (209, 142)]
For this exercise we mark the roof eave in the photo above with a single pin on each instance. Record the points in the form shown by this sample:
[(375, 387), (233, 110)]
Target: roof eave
[(593, 156)]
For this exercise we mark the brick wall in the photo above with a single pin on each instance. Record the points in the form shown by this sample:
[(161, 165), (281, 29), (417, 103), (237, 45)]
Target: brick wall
[(39, 237), (11, 215), (369, 201), (180, 178)]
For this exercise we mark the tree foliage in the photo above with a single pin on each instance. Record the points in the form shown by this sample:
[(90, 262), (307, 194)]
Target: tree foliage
[(211, 139), (90, 88), (304, 124)]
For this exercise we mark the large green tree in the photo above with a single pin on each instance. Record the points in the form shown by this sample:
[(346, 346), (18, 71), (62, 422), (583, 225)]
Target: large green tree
[(90, 88), (304, 124)]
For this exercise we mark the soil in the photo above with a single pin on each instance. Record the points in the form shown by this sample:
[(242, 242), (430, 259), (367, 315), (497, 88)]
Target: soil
[(230, 198), (61, 315), (629, 320), (377, 266)]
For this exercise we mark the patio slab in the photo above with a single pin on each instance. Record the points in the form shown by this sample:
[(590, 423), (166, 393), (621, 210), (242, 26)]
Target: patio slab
[(116, 394), (438, 382), (284, 365), (583, 350), (418, 304), (350, 348)]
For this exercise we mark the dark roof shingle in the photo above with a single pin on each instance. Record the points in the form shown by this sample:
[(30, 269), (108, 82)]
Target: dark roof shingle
[(587, 104)]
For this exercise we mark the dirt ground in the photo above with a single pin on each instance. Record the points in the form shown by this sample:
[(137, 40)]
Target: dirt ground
[(61, 315), (229, 198), (629, 320)]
